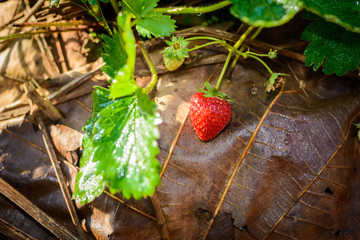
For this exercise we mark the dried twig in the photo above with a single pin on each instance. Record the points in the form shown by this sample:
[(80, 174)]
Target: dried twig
[(160, 217), (63, 186), (32, 11), (13, 232), (75, 83), (128, 205), (43, 46), (17, 103), (25, 204), (42, 102)]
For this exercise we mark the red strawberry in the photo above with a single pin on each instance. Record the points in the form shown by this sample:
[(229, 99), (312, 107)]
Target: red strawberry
[(209, 114)]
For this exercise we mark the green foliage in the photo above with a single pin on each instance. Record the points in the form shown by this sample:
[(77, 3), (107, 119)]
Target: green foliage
[(89, 184), (155, 24), (119, 147), (139, 7), (114, 56), (120, 140), (149, 22), (209, 92), (119, 67), (344, 13), (337, 50), (265, 13), (176, 48)]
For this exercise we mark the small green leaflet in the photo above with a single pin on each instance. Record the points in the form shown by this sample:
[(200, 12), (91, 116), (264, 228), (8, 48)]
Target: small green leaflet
[(149, 22), (115, 55), (120, 147), (344, 13), (157, 24), (120, 59), (337, 50), (265, 13)]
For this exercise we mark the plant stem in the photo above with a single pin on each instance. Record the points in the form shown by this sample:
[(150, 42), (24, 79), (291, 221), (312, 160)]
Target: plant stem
[(56, 24), (256, 33), (223, 69), (262, 62), (102, 19), (151, 66), (202, 38), (115, 6), (201, 46), (243, 37), (234, 48), (95, 11), (178, 10), (256, 54), (43, 31)]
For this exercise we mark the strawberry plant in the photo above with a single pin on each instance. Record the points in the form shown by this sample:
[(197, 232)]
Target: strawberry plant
[(120, 142), (276, 161)]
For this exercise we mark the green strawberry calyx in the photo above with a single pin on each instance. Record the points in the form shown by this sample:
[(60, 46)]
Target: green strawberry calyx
[(176, 49), (209, 92)]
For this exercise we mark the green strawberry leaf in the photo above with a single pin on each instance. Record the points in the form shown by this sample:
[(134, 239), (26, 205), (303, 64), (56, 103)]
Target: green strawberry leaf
[(139, 7), (89, 184), (125, 138), (120, 59), (344, 13), (115, 55), (265, 13), (156, 24), (149, 22), (332, 47), (119, 147)]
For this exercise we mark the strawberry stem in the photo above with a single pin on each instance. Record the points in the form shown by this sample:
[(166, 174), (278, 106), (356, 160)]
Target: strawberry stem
[(234, 48), (151, 66), (262, 62), (202, 38), (178, 10), (201, 46), (115, 6), (256, 33), (95, 11)]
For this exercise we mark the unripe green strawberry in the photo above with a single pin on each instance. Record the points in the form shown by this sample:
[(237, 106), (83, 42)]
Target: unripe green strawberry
[(175, 53), (209, 115), (173, 64)]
